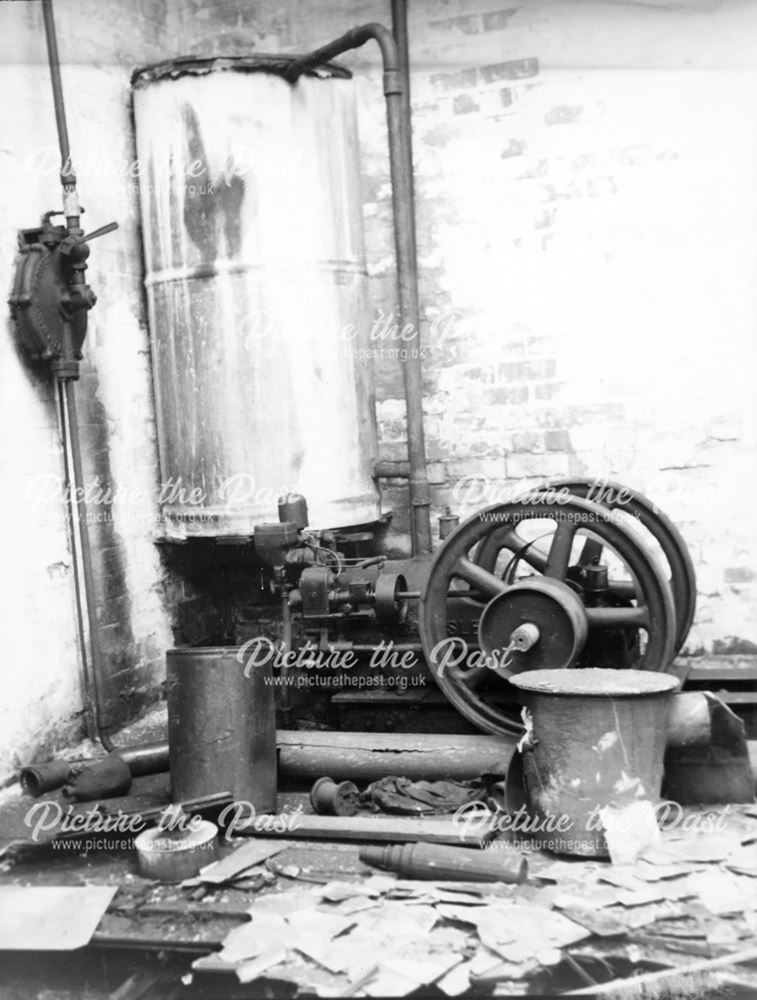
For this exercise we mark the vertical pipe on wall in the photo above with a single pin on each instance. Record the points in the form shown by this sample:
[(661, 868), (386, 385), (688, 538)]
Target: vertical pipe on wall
[(90, 725), (401, 168), (71, 208), (401, 36), (77, 504), (67, 371)]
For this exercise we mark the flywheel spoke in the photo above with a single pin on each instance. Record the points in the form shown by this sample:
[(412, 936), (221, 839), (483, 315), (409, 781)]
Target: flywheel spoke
[(681, 576), (480, 579), (560, 549)]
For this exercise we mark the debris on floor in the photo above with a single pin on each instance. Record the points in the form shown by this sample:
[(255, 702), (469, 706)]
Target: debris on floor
[(311, 915)]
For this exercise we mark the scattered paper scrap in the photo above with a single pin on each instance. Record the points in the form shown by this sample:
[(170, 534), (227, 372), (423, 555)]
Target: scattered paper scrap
[(722, 892), (249, 971), (646, 893), (51, 917), (247, 856), (629, 830), (390, 984), (703, 847), (598, 922), (457, 980), (254, 938)]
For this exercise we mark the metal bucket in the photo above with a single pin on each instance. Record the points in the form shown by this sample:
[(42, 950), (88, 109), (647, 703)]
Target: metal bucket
[(598, 739), (221, 726), (257, 288)]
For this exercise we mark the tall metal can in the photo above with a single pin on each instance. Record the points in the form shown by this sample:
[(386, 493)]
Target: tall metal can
[(221, 726)]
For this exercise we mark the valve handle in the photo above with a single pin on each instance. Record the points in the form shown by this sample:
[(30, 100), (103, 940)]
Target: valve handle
[(102, 231)]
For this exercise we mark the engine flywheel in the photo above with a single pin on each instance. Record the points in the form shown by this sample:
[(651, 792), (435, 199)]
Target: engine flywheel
[(548, 618)]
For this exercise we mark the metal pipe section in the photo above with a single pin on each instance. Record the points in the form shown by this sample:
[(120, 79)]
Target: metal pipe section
[(391, 470), (71, 208), (35, 779), (76, 501), (365, 757), (81, 559), (90, 724), (286, 646), (401, 168), (305, 756), (400, 32), (150, 758)]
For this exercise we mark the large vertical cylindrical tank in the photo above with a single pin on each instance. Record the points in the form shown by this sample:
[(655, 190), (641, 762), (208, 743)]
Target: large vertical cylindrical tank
[(257, 293)]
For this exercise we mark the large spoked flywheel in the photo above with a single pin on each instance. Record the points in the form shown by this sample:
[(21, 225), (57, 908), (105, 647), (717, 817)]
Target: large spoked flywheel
[(636, 511), (587, 576)]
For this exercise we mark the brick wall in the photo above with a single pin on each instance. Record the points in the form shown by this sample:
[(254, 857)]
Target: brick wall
[(587, 228), (596, 255), (587, 222)]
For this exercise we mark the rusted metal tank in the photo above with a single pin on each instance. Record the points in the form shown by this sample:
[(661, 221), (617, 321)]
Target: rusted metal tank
[(257, 291)]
